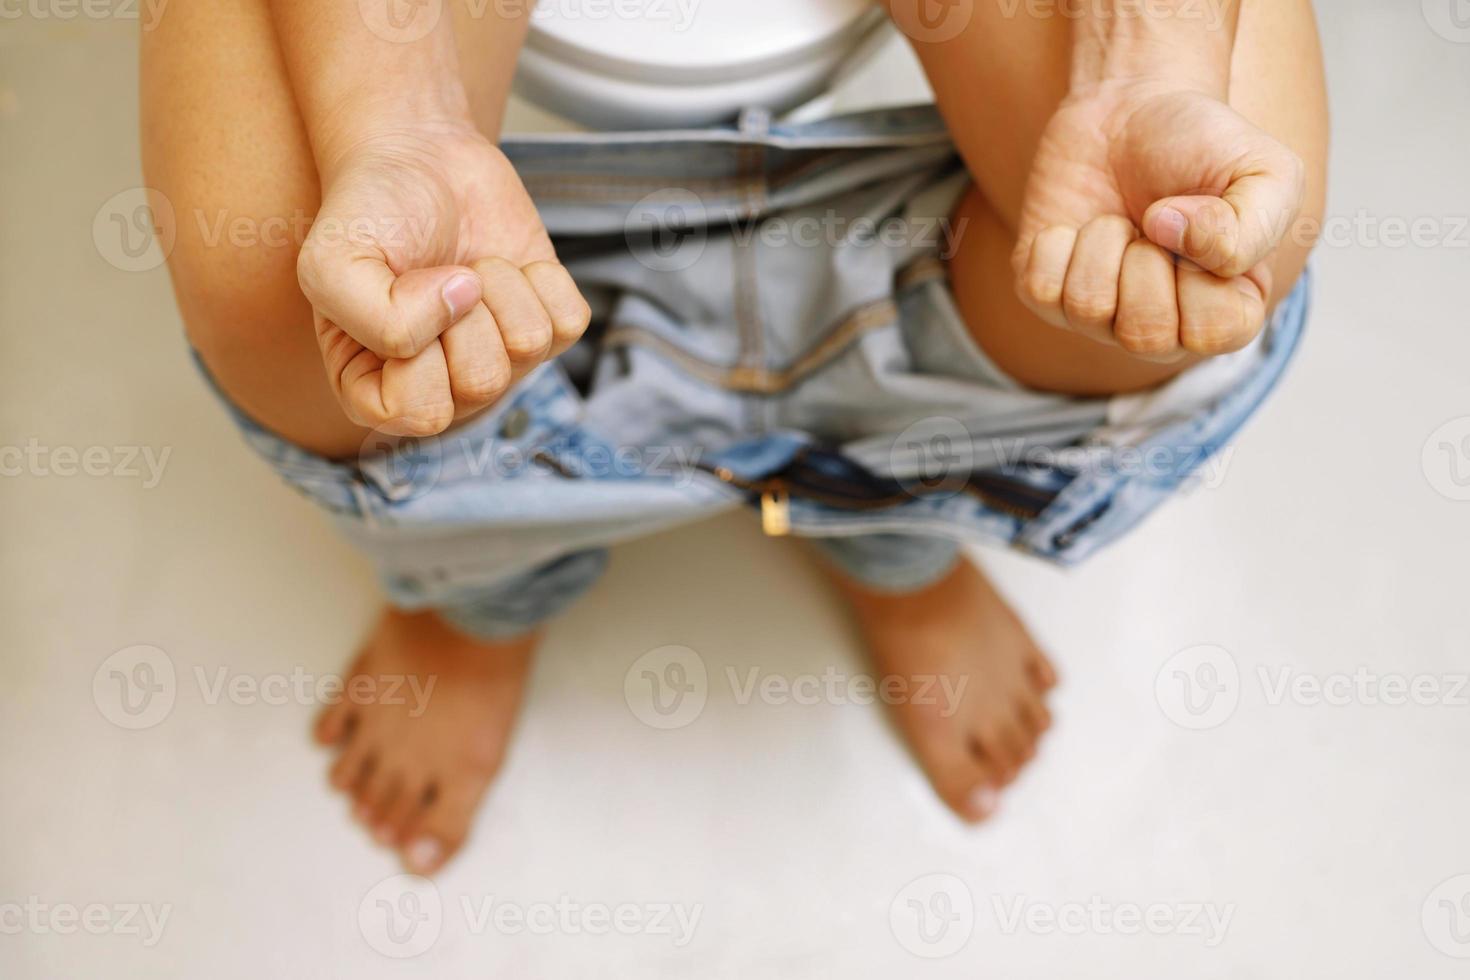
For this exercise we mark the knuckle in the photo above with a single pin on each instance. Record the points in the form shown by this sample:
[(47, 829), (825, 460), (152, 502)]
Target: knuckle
[(531, 343), (1040, 288), (1113, 223), (1089, 305), (367, 416), (1213, 336), (1147, 333), (482, 387), (429, 420), (577, 318), (1149, 347), (395, 339), (495, 267)]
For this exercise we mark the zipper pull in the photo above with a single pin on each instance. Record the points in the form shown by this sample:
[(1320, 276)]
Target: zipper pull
[(776, 513)]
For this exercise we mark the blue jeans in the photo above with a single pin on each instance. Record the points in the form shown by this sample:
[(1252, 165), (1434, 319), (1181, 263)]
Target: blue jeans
[(772, 327)]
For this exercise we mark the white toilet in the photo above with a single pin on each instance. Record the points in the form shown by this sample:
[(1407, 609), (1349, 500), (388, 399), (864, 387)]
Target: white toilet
[(650, 64)]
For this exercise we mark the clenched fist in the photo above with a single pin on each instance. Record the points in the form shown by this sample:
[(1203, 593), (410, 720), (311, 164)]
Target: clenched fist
[(434, 286), (1148, 217)]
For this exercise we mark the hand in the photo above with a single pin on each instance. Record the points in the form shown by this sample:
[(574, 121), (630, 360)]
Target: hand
[(433, 284), (1196, 178)]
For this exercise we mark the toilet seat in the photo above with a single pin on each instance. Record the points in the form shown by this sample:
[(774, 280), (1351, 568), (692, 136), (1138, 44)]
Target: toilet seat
[(640, 64)]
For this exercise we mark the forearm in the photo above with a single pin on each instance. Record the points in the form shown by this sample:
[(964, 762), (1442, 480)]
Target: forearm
[(354, 79), (1185, 41)]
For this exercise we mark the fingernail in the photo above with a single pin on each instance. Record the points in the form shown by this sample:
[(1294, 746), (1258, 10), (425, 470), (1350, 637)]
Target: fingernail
[(360, 811), (383, 836), (1169, 227), (983, 801), (461, 293), (423, 855)]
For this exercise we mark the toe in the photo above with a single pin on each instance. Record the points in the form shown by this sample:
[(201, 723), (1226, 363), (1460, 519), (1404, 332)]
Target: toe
[(352, 765), (963, 781), (331, 723), (443, 825), (997, 745), (403, 812), (1034, 715), (1040, 671), (365, 788), (377, 800)]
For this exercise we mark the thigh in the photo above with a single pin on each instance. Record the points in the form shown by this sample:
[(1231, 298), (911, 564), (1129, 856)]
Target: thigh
[(224, 144), (998, 84)]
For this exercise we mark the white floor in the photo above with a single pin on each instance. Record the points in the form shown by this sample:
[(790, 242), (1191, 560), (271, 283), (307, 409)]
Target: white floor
[(1289, 839)]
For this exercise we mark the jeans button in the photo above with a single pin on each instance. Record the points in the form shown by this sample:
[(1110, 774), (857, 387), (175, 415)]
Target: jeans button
[(515, 423)]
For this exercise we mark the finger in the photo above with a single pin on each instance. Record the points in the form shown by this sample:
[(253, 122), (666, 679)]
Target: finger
[(1090, 293), (524, 324), (479, 370), (562, 301), (400, 396), (1040, 285), (1148, 303), (1231, 234), (1217, 316), (394, 316)]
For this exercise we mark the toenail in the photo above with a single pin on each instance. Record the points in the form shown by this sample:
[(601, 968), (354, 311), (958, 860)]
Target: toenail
[(983, 802), (423, 854)]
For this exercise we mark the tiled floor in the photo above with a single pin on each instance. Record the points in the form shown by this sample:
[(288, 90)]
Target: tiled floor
[(1302, 836)]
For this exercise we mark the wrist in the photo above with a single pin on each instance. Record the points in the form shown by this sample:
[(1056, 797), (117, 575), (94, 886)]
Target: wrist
[(388, 123), (356, 77), (1177, 44)]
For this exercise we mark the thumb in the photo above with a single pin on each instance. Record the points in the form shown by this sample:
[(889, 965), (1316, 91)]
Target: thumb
[(1231, 234), (394, 316)]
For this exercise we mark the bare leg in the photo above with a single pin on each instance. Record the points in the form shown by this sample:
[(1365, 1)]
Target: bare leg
[(998, 84), (222, 140)]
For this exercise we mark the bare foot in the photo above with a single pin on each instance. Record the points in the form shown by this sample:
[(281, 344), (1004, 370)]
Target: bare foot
[(421, 729), (973, 680)]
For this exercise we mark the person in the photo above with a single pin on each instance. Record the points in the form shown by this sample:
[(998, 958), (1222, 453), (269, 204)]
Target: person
[(1137, 189)]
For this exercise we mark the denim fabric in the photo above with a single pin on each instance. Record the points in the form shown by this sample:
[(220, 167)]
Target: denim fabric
[(772, 328)]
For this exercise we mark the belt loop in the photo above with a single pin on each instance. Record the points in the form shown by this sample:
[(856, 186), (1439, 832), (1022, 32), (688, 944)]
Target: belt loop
[(755, 122)]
